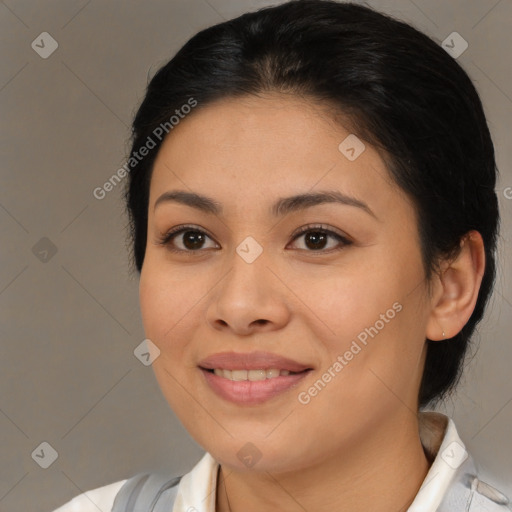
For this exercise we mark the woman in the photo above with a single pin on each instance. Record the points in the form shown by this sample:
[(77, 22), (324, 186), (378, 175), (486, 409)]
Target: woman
[(314, 221)]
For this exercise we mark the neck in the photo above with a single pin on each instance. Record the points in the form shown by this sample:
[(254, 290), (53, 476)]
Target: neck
[(383, 470)]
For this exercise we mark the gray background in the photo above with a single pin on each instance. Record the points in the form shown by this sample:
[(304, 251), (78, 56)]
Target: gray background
[(69, 324)]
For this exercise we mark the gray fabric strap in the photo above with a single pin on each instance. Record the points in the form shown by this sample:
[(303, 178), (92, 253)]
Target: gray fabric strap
[(165, 501), (127, 495), (147, 492)]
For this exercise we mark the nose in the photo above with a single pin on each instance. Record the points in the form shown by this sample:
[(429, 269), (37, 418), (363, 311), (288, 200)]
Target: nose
[(250, 298)]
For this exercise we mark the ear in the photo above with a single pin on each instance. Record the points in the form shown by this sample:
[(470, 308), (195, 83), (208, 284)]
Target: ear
[(455, 289)]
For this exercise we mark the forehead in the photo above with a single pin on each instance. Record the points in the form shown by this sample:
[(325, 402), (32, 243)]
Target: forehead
[(251, 149)]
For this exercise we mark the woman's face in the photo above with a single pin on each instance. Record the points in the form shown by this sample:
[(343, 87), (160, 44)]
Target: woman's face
[(346, 300)]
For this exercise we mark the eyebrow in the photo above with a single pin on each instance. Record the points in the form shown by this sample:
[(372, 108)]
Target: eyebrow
[(281, 207)]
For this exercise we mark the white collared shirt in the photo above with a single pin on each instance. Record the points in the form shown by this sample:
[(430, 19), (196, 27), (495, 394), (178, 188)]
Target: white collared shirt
[(439, 437)]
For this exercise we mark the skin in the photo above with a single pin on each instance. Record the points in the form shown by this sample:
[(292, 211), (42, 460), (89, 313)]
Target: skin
[(355, 446)]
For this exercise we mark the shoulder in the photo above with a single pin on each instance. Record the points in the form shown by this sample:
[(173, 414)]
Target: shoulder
[(99, 499)]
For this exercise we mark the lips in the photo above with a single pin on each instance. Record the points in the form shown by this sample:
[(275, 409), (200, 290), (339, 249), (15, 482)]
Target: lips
[(251, 361), (235, 377)]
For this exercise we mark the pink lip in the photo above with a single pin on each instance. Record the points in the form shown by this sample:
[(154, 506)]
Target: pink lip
[(255, 392), (251, 361), (245, 392)]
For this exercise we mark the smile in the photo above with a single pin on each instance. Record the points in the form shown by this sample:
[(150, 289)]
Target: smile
[(251, 378), (248, 392), (251, 375)]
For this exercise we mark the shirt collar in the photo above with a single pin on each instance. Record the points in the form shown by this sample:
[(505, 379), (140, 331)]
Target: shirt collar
[(440, 440), (443, 445)]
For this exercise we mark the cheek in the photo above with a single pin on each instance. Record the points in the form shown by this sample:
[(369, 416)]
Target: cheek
[(370, 326), (164, 305), (172, 302), (161, 311), (344, 303), (152, 297), (165, 296)]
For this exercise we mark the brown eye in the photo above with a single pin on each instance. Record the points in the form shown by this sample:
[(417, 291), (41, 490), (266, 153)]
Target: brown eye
[(193, 239), (317, 239), (185, 239)]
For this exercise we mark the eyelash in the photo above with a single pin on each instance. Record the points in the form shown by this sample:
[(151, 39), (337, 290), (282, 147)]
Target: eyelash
[(167, 237)]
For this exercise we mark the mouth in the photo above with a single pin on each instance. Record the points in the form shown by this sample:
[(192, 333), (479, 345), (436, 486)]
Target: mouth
[(253, 378), (250, 375), (259, 361)]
